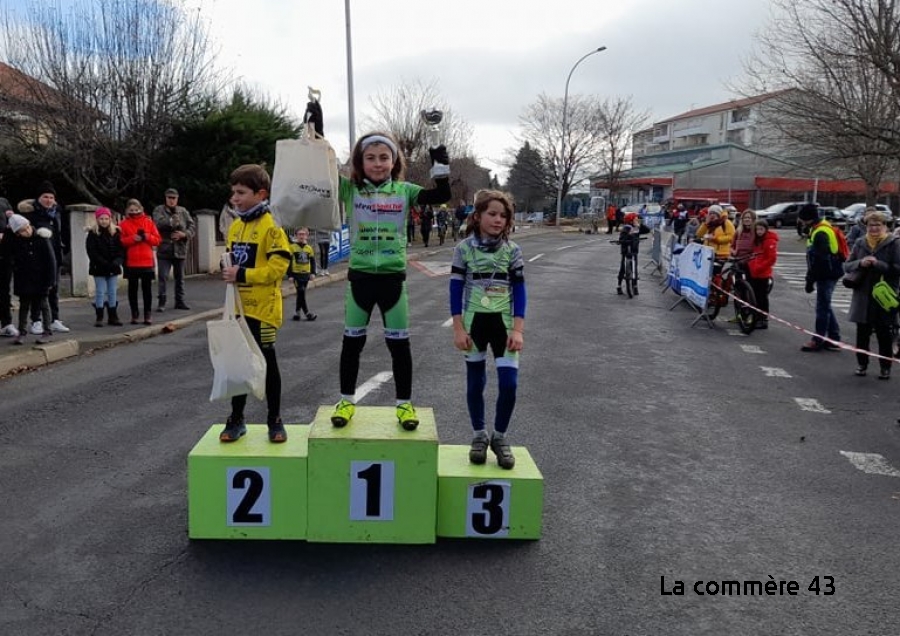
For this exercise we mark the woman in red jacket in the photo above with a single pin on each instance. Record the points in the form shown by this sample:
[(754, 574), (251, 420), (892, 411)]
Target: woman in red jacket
[(765, 253), (139, 237)]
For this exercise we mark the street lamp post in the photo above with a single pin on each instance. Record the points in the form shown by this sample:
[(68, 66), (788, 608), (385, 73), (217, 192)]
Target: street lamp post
[(562, 150), (352, 109)]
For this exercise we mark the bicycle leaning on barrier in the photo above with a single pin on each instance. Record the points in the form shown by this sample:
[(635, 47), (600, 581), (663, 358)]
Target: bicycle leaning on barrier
[(729, 280)]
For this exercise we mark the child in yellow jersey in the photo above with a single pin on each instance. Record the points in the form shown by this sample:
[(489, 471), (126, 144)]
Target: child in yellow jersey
[(303, 267), (260, 257)]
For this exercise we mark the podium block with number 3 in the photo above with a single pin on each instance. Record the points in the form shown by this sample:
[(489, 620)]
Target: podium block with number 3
[(488, 502), (248, 489), (371, 481)]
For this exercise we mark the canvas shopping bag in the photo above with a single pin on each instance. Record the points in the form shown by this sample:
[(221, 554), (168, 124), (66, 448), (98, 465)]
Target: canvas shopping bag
[(238, 363), (305, 183)]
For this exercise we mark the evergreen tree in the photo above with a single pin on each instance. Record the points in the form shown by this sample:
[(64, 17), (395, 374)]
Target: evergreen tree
[(529, 179)]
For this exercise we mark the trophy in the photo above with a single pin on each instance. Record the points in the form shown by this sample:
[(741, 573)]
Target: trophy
[(432, 119)]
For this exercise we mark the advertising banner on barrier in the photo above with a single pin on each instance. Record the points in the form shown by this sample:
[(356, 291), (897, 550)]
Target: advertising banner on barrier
[(667, 244), (694, 273)]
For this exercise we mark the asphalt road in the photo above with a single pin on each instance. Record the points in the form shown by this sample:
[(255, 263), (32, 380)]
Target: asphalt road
[(670, 454)]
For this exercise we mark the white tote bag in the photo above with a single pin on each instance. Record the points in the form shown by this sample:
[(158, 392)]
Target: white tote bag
[(305, 183), (238, 363)]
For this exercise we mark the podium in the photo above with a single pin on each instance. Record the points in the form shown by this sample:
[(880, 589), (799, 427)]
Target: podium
[(248, 489), (372, 481), (369, 482), (486, 501)]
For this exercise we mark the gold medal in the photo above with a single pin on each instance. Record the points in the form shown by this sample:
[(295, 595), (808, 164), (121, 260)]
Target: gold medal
[(485, 302)]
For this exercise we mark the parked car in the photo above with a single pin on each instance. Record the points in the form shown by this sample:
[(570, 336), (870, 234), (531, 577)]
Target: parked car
[(853, 213), (535, 217), (833, 215), (780, 214)]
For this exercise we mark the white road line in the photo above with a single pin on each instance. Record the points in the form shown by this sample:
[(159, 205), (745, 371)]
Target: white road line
[(736, 332), (811, 404), (775, 372), (534, 258), (752, 349), (372, 383), (564, 247), (871, 463), (447, 322)]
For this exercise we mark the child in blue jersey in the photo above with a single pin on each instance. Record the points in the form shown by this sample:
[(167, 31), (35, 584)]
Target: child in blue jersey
[(487, 304), (377, 205)]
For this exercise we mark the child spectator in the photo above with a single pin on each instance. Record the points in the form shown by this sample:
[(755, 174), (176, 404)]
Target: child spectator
[(34, 274), (487, 304), (303, 266), (377, 204), (139, 236), (105, 255), (260, 257)]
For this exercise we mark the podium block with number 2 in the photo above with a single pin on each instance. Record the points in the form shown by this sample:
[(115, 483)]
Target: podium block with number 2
[(371, 481), (249, 489)]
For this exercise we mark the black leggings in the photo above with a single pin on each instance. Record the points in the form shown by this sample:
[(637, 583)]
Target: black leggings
[(144, 278), (760, 287), (273, 376), (885, 337), (300, 285)]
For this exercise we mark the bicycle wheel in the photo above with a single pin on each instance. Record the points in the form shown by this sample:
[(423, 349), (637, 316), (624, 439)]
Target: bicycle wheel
[(746, 317), (714, 303), (629, 277)]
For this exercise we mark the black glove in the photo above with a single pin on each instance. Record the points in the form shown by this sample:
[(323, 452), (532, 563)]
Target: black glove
[(810, 286), (141, 232), (314, 115), (439, 155)]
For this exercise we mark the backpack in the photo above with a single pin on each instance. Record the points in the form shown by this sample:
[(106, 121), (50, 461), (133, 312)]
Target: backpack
[(843, 252)]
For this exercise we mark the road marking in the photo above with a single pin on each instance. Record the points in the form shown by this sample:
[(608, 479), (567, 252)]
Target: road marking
[(534, 258), (775, 372), (735, 332), (432, 269), (564, 247), (447, 322), (752, 349), (811, 404), (871, 463), (372, 383)]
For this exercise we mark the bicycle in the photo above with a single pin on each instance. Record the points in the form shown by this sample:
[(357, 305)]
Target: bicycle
[(629, 265), (731, 279)]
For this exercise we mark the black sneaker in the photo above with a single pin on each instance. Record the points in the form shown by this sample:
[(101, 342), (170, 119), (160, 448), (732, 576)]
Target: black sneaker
[(182, 306), (296, 317), (234, 430), (619, 291), (277, 434), (501, 449), (478, 451), (310, 317)]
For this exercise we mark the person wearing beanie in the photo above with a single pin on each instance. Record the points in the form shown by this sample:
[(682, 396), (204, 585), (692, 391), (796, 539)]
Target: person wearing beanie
[(105, 257), (34, 273), (176, 228), (139, 236), (46, 212), (822, 274)]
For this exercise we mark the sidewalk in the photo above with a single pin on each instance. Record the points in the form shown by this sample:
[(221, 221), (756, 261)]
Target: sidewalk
[(204, 293)]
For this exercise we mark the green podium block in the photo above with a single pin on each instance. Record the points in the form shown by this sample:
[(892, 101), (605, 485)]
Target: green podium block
[(371, 481), (488, 502), (248, 489)]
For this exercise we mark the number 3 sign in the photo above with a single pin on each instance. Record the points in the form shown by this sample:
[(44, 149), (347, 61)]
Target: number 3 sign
[(487, 509)]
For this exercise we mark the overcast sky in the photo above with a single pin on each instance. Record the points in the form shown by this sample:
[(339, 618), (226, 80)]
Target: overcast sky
[(490, 58)]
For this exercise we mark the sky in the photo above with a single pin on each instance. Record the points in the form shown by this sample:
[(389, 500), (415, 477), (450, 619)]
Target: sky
[(489, 59)]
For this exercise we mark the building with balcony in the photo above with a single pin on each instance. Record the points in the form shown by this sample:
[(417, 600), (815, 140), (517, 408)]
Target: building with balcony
[(728, 152)]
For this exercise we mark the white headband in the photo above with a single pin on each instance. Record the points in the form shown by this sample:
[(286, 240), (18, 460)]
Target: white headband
[(379, 139)]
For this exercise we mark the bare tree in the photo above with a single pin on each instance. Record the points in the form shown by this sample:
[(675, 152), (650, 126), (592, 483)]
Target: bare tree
[(829, 61), (617, 120), (398, 111), (121, 75), (596, 135)]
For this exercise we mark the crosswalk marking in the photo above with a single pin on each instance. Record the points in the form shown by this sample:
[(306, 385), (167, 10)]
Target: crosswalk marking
[(871, 463), (791, 268), (753, 349), (775, 372), (811, 404)]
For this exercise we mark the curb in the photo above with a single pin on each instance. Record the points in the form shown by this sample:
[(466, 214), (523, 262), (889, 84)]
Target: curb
[(39, 355)]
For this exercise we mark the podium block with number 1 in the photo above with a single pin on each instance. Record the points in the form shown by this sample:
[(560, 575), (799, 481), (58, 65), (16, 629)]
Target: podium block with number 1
[(372, 481)]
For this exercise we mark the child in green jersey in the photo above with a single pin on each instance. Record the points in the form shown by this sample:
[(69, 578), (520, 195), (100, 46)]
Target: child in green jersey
[(487, 304), (377, 204)]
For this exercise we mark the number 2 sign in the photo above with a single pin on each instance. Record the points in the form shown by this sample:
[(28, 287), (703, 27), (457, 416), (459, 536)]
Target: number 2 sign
[(249, 498)]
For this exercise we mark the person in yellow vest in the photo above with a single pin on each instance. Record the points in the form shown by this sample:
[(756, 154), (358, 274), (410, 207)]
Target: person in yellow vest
[(822, 273)]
